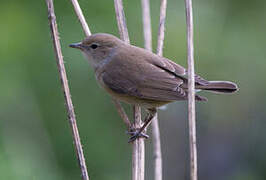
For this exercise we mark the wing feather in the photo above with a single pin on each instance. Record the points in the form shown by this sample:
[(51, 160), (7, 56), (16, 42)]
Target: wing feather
[(146, 80)]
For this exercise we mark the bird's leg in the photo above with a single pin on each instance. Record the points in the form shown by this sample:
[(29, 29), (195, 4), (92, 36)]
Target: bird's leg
[(133, 131), (139, 132)]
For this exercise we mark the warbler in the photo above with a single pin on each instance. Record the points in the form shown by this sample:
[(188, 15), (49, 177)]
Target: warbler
[(139, 77)]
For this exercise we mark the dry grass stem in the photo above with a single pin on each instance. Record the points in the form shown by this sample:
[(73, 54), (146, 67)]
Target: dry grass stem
[(122, 113), (161, 27), (157, 152), (121, 21), (146, 20), (156, 131), (138, 147), (65, 88), (81, 17), (191, 92)]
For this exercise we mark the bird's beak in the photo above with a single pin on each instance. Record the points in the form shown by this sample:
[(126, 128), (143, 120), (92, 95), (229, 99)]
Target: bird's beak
[(76, 45)]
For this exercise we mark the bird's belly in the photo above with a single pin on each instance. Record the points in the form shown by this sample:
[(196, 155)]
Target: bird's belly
[(146, 103)]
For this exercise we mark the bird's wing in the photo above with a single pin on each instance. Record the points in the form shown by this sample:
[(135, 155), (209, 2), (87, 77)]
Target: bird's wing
[(146, 80), (146, 88), (176, 69), (167, 65)]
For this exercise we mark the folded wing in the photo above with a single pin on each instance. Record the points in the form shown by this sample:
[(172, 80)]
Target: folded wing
[(146, 80)]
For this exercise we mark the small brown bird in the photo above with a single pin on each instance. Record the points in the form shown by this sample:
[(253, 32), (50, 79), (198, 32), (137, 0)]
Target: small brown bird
[(139, 77)]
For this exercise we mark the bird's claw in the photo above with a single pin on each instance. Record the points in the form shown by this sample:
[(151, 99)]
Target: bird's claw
[(136, 134)]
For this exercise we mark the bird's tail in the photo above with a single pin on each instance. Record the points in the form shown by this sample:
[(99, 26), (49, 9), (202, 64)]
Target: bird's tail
[(218, 87)]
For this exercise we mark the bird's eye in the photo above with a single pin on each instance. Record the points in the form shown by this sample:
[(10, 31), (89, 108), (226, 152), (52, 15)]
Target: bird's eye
[(94, 46)]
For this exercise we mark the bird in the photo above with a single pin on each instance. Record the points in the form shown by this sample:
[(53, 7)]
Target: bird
[(139, 77)]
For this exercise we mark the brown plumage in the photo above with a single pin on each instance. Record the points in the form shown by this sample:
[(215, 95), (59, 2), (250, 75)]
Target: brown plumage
[(137, 76)]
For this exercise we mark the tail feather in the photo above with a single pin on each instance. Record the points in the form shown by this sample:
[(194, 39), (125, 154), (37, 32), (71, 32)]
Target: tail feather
[(219, 87)]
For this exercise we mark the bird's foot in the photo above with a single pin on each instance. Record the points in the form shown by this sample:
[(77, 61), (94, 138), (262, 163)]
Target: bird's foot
[(135, 133)]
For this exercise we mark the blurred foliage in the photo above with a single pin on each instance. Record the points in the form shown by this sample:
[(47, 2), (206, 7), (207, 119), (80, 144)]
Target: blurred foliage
[(35, 138)]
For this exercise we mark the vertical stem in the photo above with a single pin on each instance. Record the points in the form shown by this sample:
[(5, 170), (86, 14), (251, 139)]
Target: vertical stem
[(191, 92), (161, 27), (146, 20), (157, 152), (156, 131), (138, 151), (65, 88), (121, 21), (138, 146)]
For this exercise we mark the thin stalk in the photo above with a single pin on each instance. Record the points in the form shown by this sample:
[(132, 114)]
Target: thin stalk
[(81, 17), (191, 92), (146, 20), (161, 27), (65, 88), (157, 141), (122, 113), (138, 146), (121, 20), (157, 152)]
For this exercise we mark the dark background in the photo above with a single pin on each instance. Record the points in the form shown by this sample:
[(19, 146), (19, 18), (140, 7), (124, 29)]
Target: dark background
[(35, 138)]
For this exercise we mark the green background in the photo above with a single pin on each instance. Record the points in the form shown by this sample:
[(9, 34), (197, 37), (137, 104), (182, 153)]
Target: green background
[(35, 137)]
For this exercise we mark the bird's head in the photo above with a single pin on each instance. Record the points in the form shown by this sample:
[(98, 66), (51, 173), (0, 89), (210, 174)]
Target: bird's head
[(98, 47)]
